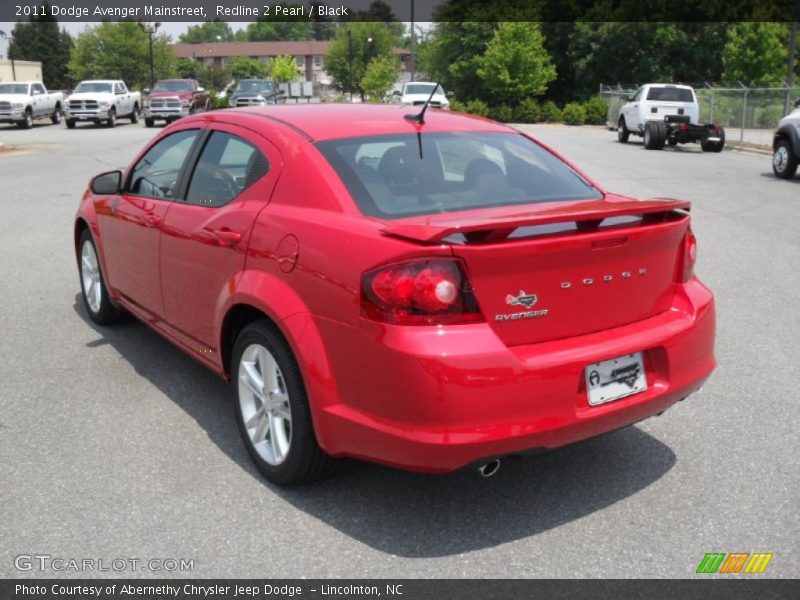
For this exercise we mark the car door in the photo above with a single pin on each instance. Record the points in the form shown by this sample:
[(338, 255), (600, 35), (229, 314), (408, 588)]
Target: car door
[(205, 234), (40, 108), (130, 223), (123, 101), (631, 111)]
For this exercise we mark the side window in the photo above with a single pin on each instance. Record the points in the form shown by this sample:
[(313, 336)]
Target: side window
[(119, 88), (157, 172), (38, 89), (228, 165)]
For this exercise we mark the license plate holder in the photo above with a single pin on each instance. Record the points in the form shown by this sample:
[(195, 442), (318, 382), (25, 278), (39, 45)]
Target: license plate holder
[(616, 378)]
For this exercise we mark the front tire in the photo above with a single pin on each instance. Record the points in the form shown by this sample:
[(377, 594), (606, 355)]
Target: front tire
[(149, 122), (272, 413), (622, 132), (784, 162), (27, 120), (93, 284), (70, 123), (112, 118)]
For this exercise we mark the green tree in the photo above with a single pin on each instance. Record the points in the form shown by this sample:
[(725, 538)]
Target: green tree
[(210, 31), (277, 27), (41, 40), (515, 64), (379, 77), (756, 53), (244, 67), (450, 55), (188, 68), (121, 51), (355, 45), (284, 69)]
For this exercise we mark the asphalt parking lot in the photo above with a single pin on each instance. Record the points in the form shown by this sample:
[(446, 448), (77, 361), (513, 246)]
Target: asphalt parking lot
[(115, 444)]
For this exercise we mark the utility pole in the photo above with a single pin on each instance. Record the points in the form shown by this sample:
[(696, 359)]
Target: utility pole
[(413, 44), (350, 63)]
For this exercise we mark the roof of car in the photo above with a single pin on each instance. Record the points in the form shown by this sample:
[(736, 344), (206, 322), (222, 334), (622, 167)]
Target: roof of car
[(331, 121)]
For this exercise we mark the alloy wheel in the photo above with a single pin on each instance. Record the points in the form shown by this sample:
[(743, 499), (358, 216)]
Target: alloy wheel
[(780, 159), (90, 274), (265, 404)]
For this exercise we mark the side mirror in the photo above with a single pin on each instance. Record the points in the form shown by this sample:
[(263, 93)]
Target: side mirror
[(146, 91), (449, 94), (200, 90), (106, 183), (797, 103), (396, 93)]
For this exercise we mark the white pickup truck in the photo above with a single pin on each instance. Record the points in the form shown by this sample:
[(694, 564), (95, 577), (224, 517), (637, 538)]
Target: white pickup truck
[(665, 113), (23, 101), (103, 100)]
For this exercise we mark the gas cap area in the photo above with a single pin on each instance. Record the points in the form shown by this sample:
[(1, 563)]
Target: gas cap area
[(288, 251)]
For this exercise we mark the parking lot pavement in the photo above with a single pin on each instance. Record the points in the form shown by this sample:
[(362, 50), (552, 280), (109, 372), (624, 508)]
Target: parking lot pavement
[(115, 444)]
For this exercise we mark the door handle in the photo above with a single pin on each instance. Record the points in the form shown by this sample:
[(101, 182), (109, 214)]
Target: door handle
[(220, 237), (150, 220)]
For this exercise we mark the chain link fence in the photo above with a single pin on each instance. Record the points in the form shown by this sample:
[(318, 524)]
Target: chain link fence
[(749, 114)]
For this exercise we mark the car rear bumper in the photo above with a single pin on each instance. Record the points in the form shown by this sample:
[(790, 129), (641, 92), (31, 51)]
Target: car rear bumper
[(437, 399)]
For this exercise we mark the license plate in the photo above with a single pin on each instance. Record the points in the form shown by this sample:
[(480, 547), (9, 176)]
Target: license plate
[(81, 117), (616, 378)]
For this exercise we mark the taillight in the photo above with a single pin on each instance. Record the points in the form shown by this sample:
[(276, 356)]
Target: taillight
[(689, 255), (428, 291)]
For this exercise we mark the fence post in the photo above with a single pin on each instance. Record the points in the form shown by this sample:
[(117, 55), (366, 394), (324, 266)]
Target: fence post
[(711, 112), (744, 116)]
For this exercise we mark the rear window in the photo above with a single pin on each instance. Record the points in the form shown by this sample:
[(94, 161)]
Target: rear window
[(403, 175), (670, 94)]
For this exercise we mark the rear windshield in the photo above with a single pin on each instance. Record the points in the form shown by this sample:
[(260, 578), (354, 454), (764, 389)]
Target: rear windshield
[(670, 94), (403, 175)]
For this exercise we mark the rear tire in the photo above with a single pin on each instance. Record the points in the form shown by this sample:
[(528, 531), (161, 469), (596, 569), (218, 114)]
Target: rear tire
[(655, 133), (622, 132), (784, 162), (272, 411), (93, 284), (56, 117), (135, 114), (714, 146)]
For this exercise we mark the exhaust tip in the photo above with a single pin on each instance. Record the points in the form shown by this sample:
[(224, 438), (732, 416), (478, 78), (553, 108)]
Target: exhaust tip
[(490, 468)]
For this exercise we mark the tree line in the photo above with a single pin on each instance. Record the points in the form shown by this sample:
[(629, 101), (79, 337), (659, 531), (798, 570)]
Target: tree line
[(495, 63)]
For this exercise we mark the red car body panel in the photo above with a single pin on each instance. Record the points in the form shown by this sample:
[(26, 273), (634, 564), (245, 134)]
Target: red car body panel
[(294, 246)]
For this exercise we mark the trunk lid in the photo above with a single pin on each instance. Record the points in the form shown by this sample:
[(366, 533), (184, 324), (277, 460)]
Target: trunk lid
[(564, 269)]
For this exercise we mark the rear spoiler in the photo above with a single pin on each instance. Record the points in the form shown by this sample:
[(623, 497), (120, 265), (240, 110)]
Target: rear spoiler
[(433, 229)]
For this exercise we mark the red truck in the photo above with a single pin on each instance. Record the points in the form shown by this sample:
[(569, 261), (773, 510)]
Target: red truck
[(172, 99)]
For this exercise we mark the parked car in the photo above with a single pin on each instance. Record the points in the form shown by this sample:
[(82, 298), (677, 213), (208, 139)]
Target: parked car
[(102, 101), (786, 145), (254, 92), (416, 93), (172, 99), (23, 101), (664, 113), (429, 292)]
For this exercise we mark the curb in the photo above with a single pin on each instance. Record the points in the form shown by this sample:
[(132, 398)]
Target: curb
[(746, 148)]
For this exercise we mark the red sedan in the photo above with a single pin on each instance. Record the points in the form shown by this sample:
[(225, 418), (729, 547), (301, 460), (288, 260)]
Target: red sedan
[(426, 293)]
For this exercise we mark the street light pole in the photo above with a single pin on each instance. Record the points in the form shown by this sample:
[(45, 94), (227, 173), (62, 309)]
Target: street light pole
[(350, 64), (10, 38), (413, 43), (150, 30)]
